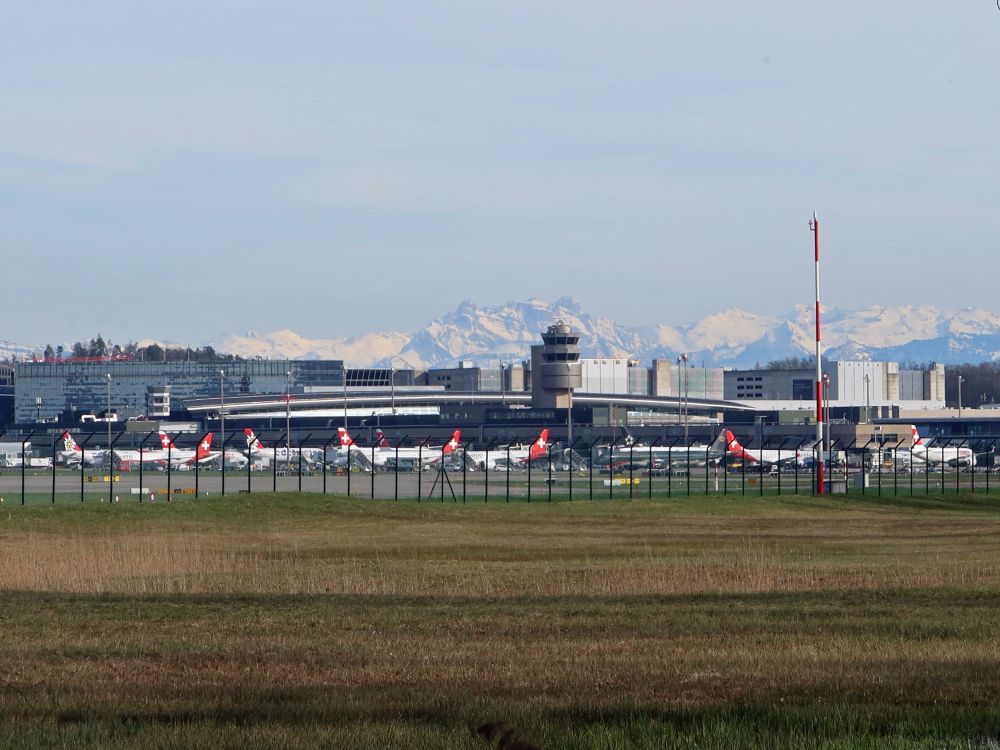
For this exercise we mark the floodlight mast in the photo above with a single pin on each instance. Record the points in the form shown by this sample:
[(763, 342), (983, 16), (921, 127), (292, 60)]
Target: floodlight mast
[(814, 227)]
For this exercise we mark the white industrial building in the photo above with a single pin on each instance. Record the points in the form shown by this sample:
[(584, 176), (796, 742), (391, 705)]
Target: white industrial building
[(877, 387)]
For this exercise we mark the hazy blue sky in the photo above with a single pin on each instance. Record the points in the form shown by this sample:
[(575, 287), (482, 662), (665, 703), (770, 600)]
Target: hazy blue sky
[(181, 170)]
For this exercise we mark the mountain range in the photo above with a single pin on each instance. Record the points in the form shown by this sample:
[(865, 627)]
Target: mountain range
[(732, 338)]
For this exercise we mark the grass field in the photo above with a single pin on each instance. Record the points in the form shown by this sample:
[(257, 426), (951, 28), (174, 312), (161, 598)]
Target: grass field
[(305, 621)]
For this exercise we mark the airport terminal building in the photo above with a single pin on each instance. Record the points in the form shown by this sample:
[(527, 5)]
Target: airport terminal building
[(600, 393), (62, 391)]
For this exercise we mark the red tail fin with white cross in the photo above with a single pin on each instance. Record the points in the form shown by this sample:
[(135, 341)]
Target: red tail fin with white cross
[(540, 447), (204, 448)]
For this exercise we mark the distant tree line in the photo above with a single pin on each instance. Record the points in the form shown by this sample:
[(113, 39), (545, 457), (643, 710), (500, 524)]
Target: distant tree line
[(792, 363), (980, 384), (99, 347)]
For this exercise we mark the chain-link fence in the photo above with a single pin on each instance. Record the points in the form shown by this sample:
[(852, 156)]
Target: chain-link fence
[(153, 468)]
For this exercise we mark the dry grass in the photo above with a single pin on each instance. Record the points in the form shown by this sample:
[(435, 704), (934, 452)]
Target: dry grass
[(201, 562), (481, 552), (353, 624)]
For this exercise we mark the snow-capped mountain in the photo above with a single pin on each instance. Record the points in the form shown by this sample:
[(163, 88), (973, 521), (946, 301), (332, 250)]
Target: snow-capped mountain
[(735, 338), (358, 350), (506, 333), (10, 349)]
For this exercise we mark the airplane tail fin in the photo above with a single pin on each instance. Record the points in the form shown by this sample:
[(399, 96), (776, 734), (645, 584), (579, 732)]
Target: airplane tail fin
[(541, 446), (345, 438), (456, 440), (253, 442), (732, 444), (165, 441), (381, 440), (204, 447), (69, 443), (915, 435)]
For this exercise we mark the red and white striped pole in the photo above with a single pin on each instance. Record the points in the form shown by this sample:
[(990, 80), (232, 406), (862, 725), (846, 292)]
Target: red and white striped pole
[(814, 226)]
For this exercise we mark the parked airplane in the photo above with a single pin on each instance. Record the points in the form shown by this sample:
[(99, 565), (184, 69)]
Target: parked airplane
[(677, 455), (282, 454), (949, 455), (168, 452), (383, 453), (518, 455), (765, 456), (71, 454)]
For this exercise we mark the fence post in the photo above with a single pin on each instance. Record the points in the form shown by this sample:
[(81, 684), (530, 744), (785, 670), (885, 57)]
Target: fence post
[(706, 471), (991, 455), (590, 469), (486, 473), (760, 467), (631, 469), (725, 468), (611, 467), (55, 443), (895, 468), (972, 468), (958, 467), (743, 471), (571, 468), (508, 472), (550, 472), (396, 473), (942, 472), (274, 465), (670, 468), (864, 467), (326, 447), (302, 443), (649, 489), (420, 468), (222, 463), (83, 463), (111, 466), (24, 461)]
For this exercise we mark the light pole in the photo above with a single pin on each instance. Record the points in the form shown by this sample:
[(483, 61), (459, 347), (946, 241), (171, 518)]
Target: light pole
[(826, 410), (222, 413), (288, 416), (868, 401), (392, 385), (344, 371), (960, 379), (680, 391), (684, 358), (107, 417)]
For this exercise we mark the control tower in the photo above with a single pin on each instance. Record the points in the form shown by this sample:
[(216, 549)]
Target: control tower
[(555, 368)]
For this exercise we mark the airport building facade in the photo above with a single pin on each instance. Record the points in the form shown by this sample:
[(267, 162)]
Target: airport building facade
[(602, 392), (881, 388), (65, 390)]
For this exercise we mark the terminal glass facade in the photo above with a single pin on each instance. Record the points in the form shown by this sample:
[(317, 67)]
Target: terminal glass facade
[(49, 390)]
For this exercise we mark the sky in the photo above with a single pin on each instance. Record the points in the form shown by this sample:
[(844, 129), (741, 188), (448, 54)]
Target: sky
[(182, 170)]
